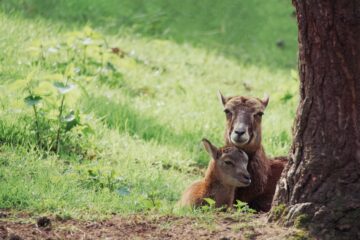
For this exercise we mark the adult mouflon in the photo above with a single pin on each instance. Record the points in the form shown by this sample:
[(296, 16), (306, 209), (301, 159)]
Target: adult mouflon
[(243, 130)]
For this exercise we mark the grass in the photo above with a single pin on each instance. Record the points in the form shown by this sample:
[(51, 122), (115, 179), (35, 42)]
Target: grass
[(148, 110), (246, 31)]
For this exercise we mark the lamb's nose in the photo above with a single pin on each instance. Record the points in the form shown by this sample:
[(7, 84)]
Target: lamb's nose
[(240, 132), (247, 177)]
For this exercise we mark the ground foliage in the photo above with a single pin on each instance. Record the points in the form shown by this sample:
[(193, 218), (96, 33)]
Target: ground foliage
[(104, 103)]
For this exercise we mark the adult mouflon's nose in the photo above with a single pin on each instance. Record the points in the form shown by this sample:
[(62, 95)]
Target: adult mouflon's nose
[(240, 135), (240, 131)]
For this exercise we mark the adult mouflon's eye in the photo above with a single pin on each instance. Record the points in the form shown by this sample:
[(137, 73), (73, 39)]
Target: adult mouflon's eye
[(259, 114)]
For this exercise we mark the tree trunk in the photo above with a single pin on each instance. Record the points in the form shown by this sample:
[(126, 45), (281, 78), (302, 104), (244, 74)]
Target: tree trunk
[(320, 187)]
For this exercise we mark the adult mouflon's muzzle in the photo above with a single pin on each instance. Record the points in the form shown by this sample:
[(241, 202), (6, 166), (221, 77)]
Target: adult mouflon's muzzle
[(240, 135)]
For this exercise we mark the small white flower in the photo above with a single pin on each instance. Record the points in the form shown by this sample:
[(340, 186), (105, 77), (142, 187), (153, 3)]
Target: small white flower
[(87, 41), (52, 50), (132, 53), (77, 70)]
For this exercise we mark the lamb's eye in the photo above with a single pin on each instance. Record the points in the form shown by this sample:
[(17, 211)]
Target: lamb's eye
[(229, 163), (227, 112)]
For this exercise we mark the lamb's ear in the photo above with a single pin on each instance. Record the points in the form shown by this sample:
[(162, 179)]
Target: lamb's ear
[(265, 100), (222, 99), (211, 149)]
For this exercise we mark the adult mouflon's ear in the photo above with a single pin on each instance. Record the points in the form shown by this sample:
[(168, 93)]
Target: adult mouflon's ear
[(211, 149), (222, 99), (265, 100)]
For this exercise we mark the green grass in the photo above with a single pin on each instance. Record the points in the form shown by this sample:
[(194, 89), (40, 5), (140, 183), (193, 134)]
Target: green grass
[(150, 109), (245, 30)]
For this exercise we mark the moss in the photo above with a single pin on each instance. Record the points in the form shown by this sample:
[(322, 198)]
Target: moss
[(300, 235), (301, 221), (250, 235), (278, 211), (244, 226)]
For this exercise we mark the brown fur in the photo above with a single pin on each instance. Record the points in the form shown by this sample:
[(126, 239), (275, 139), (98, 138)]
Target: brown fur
[(264, 172), (259, 168), (264, 201), (213, 185)]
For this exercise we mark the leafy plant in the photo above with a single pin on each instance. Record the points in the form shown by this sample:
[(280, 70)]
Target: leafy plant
[(71, 61), (98, 179), (63, 89), (33, 100), (209, 206), (51, 131), (242, 207)]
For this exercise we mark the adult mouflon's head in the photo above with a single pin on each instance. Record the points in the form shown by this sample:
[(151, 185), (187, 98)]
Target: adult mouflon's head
[(230, 164), (243, 118)]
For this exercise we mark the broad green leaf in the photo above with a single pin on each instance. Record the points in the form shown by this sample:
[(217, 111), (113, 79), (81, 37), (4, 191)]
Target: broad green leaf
[(32, 100), (72, 120), (70, 117), (123, 191), (62, 88), (240, 204), (210, 201)]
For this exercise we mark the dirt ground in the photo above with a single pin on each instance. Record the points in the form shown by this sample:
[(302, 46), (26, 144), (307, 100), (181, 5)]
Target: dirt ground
[(17, 226)]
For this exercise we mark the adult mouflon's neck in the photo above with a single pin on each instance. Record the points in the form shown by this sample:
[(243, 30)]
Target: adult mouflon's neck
[(259, 169)]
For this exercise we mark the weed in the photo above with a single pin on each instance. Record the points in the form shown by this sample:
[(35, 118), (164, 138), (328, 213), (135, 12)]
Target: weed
[(242, 207)]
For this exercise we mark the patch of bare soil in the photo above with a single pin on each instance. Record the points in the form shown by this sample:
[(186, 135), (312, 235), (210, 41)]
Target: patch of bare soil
[(21, 226)]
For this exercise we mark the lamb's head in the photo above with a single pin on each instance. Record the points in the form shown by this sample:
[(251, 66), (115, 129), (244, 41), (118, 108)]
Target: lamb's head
[(230, 164), (243, 117)]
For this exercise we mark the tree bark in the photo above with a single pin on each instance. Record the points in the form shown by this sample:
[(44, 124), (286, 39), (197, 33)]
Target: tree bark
[(320, 187)]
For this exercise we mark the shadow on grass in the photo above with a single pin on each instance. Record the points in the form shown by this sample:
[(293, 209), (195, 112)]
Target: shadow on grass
[(253, 32), (126, 120)]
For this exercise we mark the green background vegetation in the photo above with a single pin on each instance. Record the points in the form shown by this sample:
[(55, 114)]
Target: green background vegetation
[(146, 75)]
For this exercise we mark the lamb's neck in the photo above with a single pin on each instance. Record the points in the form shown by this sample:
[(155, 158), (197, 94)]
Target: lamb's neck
[(222, 193)]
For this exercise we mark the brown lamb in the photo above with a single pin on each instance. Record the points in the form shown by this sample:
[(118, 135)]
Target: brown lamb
[(226, 171), (243, 130)]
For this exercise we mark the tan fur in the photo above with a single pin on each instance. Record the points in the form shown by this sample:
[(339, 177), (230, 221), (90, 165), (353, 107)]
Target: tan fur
[(209, 187), (215, 184)]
